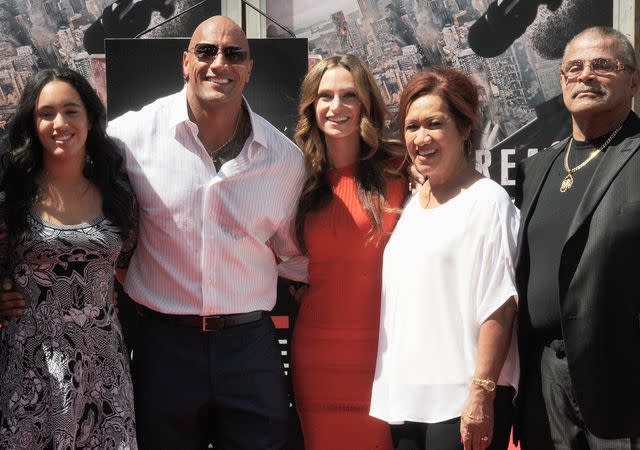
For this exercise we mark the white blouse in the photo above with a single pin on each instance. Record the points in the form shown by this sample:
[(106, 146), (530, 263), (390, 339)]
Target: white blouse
[(445, 271)]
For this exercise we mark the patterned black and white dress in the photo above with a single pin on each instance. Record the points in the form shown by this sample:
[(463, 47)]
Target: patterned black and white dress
[(64, 371)]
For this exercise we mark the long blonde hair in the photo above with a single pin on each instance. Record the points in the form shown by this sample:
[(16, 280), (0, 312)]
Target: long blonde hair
[(317, 190)]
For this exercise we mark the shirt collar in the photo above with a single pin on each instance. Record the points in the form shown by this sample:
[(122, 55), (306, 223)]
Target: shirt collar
[(179, 113), (257, 129)]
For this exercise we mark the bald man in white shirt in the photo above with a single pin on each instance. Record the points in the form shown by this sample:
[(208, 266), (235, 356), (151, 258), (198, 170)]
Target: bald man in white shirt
[(218, 188)]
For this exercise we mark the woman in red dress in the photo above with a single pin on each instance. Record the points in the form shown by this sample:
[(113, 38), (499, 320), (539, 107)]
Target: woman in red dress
[(347, 210)]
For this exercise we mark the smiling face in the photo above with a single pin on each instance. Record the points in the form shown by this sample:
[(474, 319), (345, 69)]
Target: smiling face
[(61, 121), (212, 81), (338, 106), (588, 94), (434, 142)]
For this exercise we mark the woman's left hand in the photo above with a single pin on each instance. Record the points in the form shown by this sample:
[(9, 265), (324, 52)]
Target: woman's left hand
[(476, 421)]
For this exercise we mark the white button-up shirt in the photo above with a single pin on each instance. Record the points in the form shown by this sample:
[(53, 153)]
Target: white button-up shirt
[(205, 237)]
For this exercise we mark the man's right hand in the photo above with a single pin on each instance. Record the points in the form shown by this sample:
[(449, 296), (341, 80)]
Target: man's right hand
[(12, 304)]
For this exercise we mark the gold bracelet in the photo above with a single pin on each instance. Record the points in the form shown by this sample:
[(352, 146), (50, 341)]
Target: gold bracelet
[(488, 385)]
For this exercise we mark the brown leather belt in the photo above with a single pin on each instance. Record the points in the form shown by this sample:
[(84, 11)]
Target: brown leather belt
[(205, 323)]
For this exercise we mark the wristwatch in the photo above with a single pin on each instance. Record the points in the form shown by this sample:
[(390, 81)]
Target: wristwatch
[(488, 385)]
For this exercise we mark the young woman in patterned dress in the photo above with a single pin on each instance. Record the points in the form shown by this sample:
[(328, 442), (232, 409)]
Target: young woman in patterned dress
[(67, 219)]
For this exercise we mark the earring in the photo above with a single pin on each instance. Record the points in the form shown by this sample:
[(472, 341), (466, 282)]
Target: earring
[(467, 147)]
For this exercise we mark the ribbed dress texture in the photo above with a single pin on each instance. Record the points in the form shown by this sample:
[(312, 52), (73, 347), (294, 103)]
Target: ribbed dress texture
[(335, 338)]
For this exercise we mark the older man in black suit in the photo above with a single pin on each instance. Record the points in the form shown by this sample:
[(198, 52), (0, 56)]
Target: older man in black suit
[(579, 313)]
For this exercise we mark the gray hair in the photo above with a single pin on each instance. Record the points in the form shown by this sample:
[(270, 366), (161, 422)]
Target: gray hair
[(621, 41)]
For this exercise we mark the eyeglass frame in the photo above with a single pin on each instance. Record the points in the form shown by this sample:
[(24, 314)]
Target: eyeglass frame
[(619, 67), (227, 52)]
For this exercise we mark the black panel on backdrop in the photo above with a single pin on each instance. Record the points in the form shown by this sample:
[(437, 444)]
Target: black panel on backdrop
[(141, 70)]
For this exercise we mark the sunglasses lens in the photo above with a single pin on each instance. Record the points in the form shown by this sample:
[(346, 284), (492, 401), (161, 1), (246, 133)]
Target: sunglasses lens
[(205, 50), (235, 54)]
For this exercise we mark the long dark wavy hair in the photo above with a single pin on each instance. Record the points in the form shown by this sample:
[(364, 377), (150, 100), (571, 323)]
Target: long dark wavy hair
[(375, 151), (23, 161)]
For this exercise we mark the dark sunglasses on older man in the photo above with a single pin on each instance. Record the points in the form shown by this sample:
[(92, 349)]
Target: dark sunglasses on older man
[(235, 55)]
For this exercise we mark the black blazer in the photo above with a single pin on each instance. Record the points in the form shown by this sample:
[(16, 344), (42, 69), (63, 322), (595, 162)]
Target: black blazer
[(599, 292)]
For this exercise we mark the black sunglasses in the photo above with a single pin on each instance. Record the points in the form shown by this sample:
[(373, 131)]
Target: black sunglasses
[(235, 55)]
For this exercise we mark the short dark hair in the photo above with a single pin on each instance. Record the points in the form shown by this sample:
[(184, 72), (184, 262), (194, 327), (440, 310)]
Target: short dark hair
[(456, 89), (22, 162)]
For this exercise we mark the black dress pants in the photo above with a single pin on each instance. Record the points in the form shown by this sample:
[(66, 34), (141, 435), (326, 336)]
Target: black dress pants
[(195, 388), (550, 416)]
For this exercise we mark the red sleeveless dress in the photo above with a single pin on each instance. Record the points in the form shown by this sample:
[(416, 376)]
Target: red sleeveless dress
[(335, 339)]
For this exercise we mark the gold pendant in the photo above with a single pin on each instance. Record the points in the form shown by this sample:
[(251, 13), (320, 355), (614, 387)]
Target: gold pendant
[(566, 183)]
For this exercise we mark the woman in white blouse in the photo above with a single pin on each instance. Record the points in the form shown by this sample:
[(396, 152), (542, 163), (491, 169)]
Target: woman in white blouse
[(446, 357)]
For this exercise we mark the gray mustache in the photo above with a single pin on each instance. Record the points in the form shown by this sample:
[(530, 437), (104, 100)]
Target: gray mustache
[(592, 90)]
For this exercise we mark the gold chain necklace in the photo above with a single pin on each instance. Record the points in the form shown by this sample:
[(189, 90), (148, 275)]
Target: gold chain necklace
[(567, 182)]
